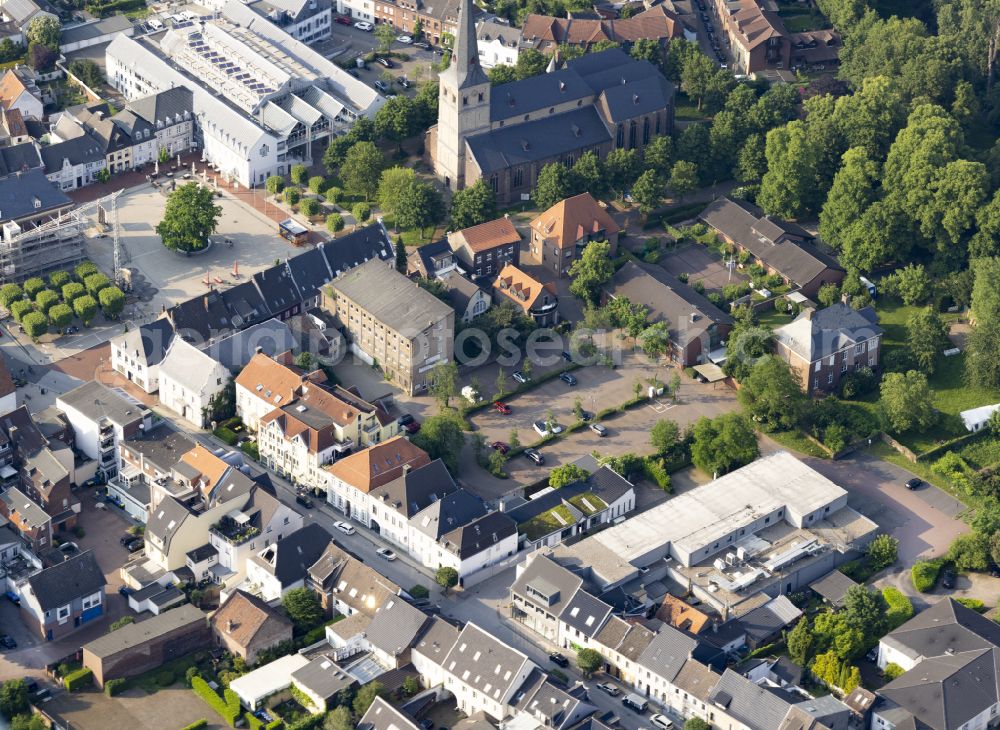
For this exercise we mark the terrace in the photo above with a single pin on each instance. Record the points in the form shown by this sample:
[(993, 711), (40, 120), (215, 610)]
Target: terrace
[(235, 530)]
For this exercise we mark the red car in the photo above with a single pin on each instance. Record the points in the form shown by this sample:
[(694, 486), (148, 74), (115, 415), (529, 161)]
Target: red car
[(342, 19), (412, 427), (501, 407), (501, 447)]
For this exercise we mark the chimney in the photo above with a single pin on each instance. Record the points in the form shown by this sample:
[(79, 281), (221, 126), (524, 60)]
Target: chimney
[(12, 433), (230, 626), (809, 312), (258, 350), (406, 468)]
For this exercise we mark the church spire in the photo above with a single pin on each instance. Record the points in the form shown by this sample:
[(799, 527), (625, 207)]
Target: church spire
[(464, 68)]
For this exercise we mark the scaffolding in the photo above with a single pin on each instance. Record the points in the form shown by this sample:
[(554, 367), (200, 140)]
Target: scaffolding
[(59, 242)]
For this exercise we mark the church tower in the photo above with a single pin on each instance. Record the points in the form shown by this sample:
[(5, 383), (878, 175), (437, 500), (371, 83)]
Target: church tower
[(463, 101)]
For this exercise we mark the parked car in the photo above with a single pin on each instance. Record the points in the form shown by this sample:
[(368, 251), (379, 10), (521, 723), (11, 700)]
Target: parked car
[(914, 483), (381, 85), (948, 578), (342, 20), (599, 429), (136, 545), (124, 591), (568, 378), (404, 82), (535, 456), (384, 62), (404, 39), (12, 597), (412, 427), (344, 527), (609, 688), (421, 44), (500, 446), (501, 407), (543, 429), (365, 26), (586, 416), (7, 642), (566, 356), (126, 539), (386, 553), (558, 659), (405, 419), (304, 501), (661, 721), (520, 377)]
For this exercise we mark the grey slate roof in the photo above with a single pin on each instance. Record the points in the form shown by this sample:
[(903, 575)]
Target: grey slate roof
[(814, 334), (86, 31), (396, 626), (363, 244), (447, 513), (833, 587), (480, 534), (323, 677), (552, 706), (751, 705), (79, 151), (585, 613), (667, 652), (236, 350), (310, 272), (390, 297), (537, 92), (545, 575), (383, 716), (19, 192), (277, 288), (151, 339), (437, 640), (164, 106), (641, 96), (765, 620), (96, 401), (544, 138), (20, 157), (460, 293), (29, 511), (294, 553), (135, 634), (245, 304), (161, 449), (76, 577), (165, 520), (766, 239), (947, 626), (479, 660)]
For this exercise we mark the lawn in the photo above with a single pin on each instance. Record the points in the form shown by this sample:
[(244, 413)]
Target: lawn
[(686, 109), (796, 441), (801, 22), (772, 318), (548, 522)]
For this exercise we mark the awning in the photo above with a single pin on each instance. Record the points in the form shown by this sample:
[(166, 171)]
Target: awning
[(7, 471), (719, 356), (711, 372)]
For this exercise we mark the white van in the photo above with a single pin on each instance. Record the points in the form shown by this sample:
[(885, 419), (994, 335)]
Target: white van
[(635, 702), (155, 24)]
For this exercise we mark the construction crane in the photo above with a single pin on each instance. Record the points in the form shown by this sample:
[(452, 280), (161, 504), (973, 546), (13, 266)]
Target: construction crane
[(60, 241)]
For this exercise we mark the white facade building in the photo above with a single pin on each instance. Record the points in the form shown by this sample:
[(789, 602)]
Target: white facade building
[(498, 44), (189, 379)]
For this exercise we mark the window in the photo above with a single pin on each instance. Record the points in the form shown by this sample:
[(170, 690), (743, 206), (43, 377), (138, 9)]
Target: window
[(518, 178), (818, 366), (843, 366), (832, 360), (91, 601), (645, 131), (620, 138), (829, 379), (62, 613), (859, 349), (631, 134)]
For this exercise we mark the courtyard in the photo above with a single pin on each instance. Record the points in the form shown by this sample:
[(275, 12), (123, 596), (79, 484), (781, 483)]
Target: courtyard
[(701, 264)]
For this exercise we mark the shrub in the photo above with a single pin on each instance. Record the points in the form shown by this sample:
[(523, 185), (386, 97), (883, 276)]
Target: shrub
[(20, 308), (655, 470), (682, 277), (334, 222), (974, 603), (419, 592), (228, 708), (190, 674), (10, 293), (77, 679), (361, 212), (892, 671), (924, 574), (274, 184), (72, 290), (45, 300), (292, 196), (309, 207), (60, 316), (317, 184), (164, 678), (699, 287), (32, 286), (197, 724), (114, 686), (333, 194), (35, 324), (899, 610), (58, 279)]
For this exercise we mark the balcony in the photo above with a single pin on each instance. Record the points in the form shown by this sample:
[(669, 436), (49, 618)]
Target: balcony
[(234, 531)]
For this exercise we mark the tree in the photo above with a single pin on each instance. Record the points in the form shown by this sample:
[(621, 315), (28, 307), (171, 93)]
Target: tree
[(696, 723), (659, 155), (446, 577), (420, 206), (800, 642), (442, 383), (303, 607), (912, 284), (274, 184), (397, 120), (655, 341), (112, 301), (828, 294), (621, 168), (442, 438), (751, 161), (44, 30), (35, 324), (361, 212), (683, 178), (299, 174), (473, 205), (724, 443), (589, 661), (566, 474), (334, 222), (926, 334), (502, 74), (339, 718), (882, 551), (648, 49), (190, 217), (13, 698), (85, 308), (32, 286), (292, 196), (362, 168), (554, 183), (591, 270), (664, 435), (385, 34), (589, 174), (696, 76), (985, 289), (10, 293), (906, 402), (60, 316), (45, 300), (20, 308), (530, 62), (41, 58), (864, 611), (648, 191), (365, 696), (789, 189), (772, 396), (309, 207), (317, 184), (970, 551), (96, 282), (71, 291)]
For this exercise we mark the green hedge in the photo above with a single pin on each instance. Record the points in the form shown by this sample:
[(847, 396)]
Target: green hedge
[(114, 686), (924, 574), (228, 708), (900, 610), (974, 603), (80, 678), (656, 471), (197, 724)]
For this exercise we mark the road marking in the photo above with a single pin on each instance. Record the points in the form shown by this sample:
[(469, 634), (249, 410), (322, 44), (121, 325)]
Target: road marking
[(658, 406)]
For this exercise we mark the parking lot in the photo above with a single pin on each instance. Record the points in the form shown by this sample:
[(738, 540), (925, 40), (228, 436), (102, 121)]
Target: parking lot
[(702, 265), (167, 709)]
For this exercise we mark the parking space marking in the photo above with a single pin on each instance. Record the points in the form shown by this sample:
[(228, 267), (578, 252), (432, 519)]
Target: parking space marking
[(658, 406)]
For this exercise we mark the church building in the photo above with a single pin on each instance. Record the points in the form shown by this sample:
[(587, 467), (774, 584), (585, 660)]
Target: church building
[(506, 134)]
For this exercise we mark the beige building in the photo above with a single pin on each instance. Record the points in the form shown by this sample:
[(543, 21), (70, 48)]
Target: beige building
[(559, 235), (392, 323)]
